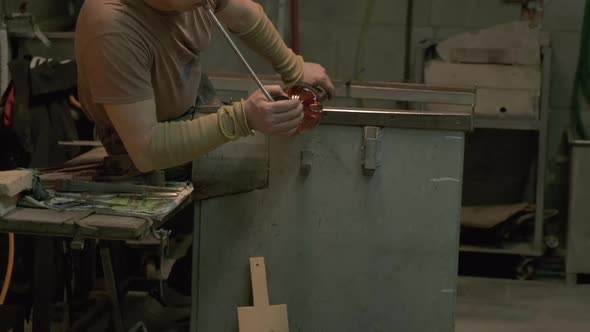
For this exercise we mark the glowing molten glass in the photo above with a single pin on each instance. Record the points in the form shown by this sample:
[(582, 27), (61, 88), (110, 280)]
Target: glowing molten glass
[(312, 99)]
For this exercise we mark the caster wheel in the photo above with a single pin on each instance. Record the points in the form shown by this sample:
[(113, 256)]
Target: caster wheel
[(551, 241), (525, 268)]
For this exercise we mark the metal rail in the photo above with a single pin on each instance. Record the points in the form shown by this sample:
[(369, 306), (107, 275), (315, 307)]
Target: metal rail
[(387, 118), (574, 141), (418, 93), (398, 119), (376, 90)]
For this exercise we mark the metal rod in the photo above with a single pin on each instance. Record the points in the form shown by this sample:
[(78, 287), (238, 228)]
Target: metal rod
[(238, 53), (398, 119), (419, 93)]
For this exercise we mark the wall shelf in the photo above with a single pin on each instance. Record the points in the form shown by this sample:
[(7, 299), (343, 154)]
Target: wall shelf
[(500, 123), (538, 124), (523, 248)]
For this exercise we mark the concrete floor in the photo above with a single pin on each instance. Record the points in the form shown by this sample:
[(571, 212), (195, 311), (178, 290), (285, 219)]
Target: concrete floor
[(525, 306), (483, 305)]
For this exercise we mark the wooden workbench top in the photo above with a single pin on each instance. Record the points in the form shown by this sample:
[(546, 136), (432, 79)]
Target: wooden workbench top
[(73, 223)]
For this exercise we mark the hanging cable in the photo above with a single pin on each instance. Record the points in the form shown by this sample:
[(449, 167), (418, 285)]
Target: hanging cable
[(9, 268), (582, 81), (295, 26), (361, 45), (408, 41)]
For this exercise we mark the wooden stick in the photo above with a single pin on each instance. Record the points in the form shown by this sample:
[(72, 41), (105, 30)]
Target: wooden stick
[(80, 143), (259, 287)]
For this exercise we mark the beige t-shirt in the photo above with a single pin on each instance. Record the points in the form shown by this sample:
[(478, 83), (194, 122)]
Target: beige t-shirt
[(127, 51)]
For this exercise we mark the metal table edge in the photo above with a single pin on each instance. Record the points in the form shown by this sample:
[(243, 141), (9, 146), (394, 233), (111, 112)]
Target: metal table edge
[(398, 119)]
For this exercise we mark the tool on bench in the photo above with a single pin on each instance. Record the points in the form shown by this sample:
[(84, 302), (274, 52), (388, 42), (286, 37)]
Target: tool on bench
[(71, 185)]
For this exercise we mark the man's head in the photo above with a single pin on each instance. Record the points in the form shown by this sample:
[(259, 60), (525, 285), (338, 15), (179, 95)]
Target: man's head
[(175, 5)]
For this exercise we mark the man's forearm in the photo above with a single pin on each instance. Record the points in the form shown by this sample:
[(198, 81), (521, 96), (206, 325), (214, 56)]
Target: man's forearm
[(176, 143)]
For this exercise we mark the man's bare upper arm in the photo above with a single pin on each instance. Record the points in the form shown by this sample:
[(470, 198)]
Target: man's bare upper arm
[(134, 122)]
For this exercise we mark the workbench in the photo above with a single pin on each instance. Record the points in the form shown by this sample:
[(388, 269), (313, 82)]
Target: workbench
[(73, 227)]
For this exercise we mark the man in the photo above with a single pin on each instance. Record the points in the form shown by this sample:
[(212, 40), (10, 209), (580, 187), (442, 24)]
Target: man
[(139, 70), (139, 67)]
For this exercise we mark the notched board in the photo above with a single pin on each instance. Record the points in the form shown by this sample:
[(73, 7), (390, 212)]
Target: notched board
[(236, 167)]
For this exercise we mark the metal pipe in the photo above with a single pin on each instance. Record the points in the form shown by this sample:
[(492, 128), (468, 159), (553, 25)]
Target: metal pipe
[(418, 93), (398, 119), (194, 315), (408, 41), (9, 268), (238, 53), (295, 26), (282, 18)]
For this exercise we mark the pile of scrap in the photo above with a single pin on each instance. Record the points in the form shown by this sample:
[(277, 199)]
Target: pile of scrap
[(126, 198), (503, 62), (81, 185)]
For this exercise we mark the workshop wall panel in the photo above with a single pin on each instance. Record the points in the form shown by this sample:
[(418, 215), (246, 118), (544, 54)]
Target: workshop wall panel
[(566, 48), (472, 14), (563, 15), (385, 12), (220, 57), (331, 44), (339, 49), (344, 11), (557, 169), (42, 9), (393, 12), (422, 13)]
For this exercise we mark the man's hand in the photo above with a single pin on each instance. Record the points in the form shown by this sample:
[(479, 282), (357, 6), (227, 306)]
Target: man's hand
[(315, 74), (275, 118)]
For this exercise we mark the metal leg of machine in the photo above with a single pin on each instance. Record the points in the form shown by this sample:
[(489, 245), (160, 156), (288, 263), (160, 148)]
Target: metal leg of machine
[(538, 243), (578, 234), (12, 318), (195, 269), (111, 286), (68, 315), (43, 283)]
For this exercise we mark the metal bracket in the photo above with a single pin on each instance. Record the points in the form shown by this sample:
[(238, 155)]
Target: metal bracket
[(77, 243), (371, 147), (306, 156)]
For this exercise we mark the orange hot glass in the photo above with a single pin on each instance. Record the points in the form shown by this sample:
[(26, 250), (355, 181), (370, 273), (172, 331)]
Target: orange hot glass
[(312, 99)]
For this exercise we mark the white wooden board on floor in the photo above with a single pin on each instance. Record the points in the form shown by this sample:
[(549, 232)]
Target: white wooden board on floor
[(262, 316)]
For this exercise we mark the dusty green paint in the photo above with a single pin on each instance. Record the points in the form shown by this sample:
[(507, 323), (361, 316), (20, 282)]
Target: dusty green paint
[(344, 250)]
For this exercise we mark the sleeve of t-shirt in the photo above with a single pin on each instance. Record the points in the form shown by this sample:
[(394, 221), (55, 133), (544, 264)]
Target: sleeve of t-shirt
[(118, 70)]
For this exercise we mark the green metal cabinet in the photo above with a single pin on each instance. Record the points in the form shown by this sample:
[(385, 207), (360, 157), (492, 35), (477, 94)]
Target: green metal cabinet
[(345, 250), (357, 219)]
